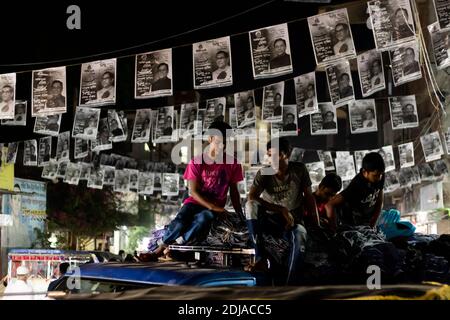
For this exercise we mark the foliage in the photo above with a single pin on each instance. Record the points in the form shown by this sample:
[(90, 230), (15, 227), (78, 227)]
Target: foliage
[(135, 235)]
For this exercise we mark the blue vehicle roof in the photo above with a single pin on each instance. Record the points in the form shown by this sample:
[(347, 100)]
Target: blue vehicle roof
[(160, 273)]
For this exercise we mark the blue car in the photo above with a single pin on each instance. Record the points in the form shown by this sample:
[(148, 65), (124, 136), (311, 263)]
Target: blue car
[(118, 277)]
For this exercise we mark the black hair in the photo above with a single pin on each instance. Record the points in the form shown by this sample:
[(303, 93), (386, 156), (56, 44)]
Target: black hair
[(283, 145), (404, 11), (57, 81), (344, 25), (344, 74), (290, 114), (408, 104), (63, 267), (164, 64), (8, 86), (221, 126), (279, 39), (224, 52), (373, 161), (277, 94), (371, 110), (409, 48), (110, 74), (332, 181)]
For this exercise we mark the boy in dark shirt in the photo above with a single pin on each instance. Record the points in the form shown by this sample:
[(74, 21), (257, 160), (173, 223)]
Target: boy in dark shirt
[(362, 200)]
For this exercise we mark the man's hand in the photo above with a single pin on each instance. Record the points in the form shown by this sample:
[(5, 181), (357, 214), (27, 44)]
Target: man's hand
[(219, 212), (288, 217)]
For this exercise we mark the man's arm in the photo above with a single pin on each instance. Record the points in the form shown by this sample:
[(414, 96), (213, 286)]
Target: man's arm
[(311, 205), (236, 200), (330, 208), (378, 207), (194, 188)]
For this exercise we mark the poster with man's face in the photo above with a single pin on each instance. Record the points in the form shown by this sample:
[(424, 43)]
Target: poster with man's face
[(171, 184), (340, 83), (142, 126), (392, 23), (63, 147), (95, 180), (405, 63), (117, 132), (327, 159), (325, 121), (289, 125), (215, 111), (406, 154), (165, 125), (49, 171), (387, 153), (49, 92), (85, 171), (145, 183), (305, 94), (73, 173), (30, 153), (245, 108), (7, 95), (45, 150), (359, 156), (440, 41), (153, 74), (371, 72), (212, 63), (270, 51), (432, 146), (403, 112), (188, 116), (20, 115), (345, 167), (103, 141), (48, 125), (363, 116), (81, 148), (85, 124), (122, 181), (273, 96), (391, 181), (98, 83), (12, 152), (331, 36), (316, 172)]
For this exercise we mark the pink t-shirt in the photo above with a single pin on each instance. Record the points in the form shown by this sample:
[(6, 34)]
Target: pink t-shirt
[(214, 178)]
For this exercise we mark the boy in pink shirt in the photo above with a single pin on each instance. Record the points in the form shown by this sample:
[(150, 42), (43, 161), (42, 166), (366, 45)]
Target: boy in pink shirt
[(210, 176)]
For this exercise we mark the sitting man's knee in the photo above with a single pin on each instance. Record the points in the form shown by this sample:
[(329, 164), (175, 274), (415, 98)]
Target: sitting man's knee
[(251, 209), (205, 216)]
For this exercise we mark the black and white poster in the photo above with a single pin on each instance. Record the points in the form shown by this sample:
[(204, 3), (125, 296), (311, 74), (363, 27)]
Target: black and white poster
[(98, 83), (145, 183), (49, 92), (142, 125), (327, 159), (273, 96), (331, 36), (11, 156), (124, 122), (387, 153), (426, 172), (316, 172), (359, 156), (270, 51), (188, 116), (405, 63), (73, 173), (215, 111), (432, 146), (157, 185), (247, 132), (325, 121), (109, 175), (103, 141), (165, 125), (442, 8), (403, 112), (245, 108), (62, 168), (306, 94), (391, 181), (85, 124), (8, 95), (48, 125), (153, 74), (406, 154), (440, 168), (232, 118), (170, 185), (20, 115), (363, 116), (392, 23), (85, 171), (345, 166), (134, 176), (30, 153), (250, 175), (212, 63), (340, 84), (81, 148), (440, 40), (297, 155), (116, 130), (49, 171), (371, 72), (63, 147), (447, 140), (45, 150), (95, 180), (409, 177), (122, 181), (289, 125)]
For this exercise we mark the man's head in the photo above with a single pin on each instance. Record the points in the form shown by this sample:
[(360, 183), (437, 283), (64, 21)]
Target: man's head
[(218, 109), (401, 16), (277, 99), (7, 93), (192, 115), (290, 118), (32, 148), (328, 116), (56, 87), (250, 103), (222, 58), (310, 90), (22, 273), (114, 124), (375, 67), (341, 31), (408, 109), (373, 167), (217, 135), (163, 70), (168, 121), (369, 114), (63, 267), (92, 122), (279, 148), (328, 187), (344, 81), (107, 79), (280, 46), (409, 55), (52, 119)]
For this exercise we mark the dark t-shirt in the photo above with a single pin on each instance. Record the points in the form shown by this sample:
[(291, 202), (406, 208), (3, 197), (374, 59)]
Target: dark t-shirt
[(360, 197), (287, 193), (280, 61)]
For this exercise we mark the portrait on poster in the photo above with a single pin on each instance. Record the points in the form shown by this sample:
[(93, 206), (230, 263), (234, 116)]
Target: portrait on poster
[(215, 111), (272, 102), (30, 153), (288, 127), (73, 173), (245, 108), (212, 63), (405, 63), (325, 121), (102, 142), (270, 51), (49, 92), (117, 132), (371, 72), (387, 153), (63, 147), (440, 41), (142, 126), (406, 154), (170, 185), (305, 94), (45, 150), (327, 159), (7, 96), (316, 172), (165, 125), (81, 148), (403, 112), (85, 124), (48, 125), (98, 83), (391, 181), (145, 183), (188, 116), (432, 146), (20, 115), (345, 167), (363, 116), (122, 181), (340, 83), (153, 74)]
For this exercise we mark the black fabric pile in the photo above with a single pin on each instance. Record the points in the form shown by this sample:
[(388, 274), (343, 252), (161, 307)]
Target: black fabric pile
[(230, 231)]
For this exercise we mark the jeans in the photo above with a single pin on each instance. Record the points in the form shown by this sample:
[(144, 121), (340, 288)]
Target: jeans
[(260, 222), (191, 223)]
